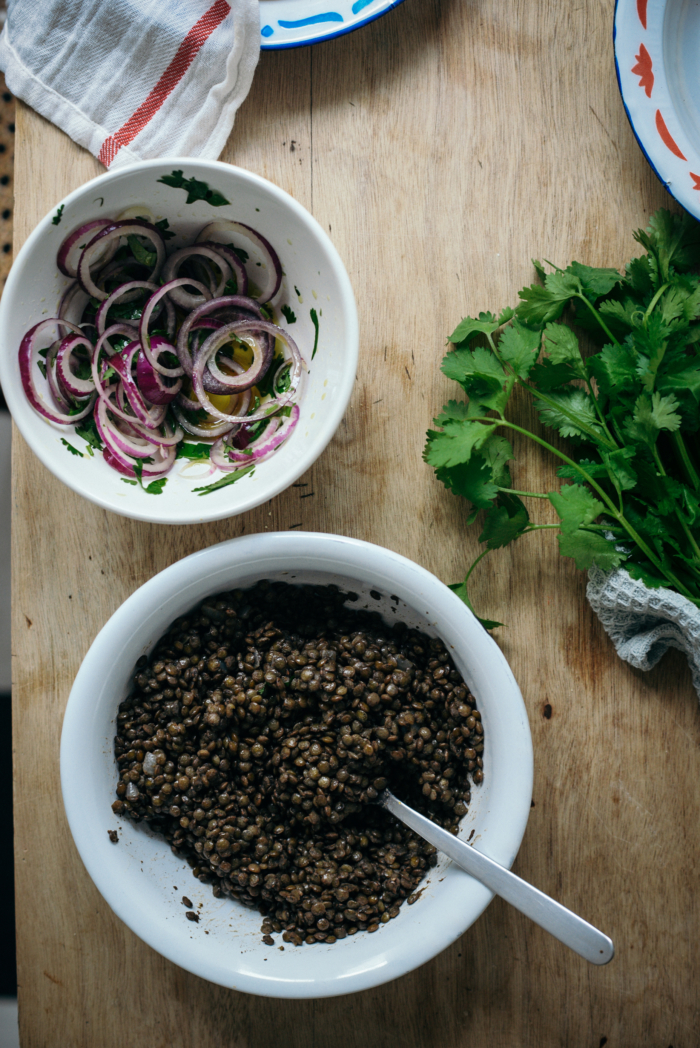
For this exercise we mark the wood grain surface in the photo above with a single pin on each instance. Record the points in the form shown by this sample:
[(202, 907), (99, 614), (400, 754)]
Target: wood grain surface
[(442, 147)]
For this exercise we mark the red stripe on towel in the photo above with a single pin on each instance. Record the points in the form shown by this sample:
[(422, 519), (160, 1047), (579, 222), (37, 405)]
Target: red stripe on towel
[(186, 53)]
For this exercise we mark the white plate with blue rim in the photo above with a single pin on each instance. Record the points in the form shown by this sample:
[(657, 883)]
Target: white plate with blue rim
[(295, 23), (657, 49)]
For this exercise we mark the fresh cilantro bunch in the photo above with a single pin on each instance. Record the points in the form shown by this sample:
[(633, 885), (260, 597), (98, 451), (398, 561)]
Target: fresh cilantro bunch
[(628, 410)]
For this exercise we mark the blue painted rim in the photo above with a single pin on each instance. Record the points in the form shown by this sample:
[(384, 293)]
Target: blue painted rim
[(284, 46), (627, 112)]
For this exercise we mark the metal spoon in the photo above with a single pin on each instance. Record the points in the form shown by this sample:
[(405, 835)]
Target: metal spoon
[(564, 925)]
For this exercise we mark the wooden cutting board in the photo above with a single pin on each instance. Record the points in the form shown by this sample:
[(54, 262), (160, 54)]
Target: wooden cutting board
[(442, 147)]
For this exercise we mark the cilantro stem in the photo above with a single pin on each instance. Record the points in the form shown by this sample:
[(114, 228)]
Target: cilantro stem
[(655, 299), (688, 466), (525, 494), (480, 557), (514, 377), (598, 317), (681, 519), (612, 508)]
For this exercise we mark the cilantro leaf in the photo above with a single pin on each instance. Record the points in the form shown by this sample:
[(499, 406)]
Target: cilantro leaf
[(651, 415), (456, 443), (58, 216), (163, 226), (594, 282), (140, 253), (505, 522), (519, 346), (88, 431), (156, 486), (289, 314), (73, 451), (229, 478), (196, 452), (562, 346), (588, 548), (195, 189), (575, 506), (473, 480), (572, 413), (314, 320), (469, 327)]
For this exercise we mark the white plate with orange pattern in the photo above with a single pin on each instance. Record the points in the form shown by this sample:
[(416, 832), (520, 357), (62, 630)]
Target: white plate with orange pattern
[(657, 54)]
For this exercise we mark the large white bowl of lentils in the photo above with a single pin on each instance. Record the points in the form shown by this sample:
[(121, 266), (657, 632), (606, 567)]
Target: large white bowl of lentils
[(144, 880)]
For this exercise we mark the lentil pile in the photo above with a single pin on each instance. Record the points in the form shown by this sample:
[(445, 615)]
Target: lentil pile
[(261, 726)]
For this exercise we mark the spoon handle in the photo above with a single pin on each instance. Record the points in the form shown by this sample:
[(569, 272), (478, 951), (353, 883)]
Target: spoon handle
[(564, 925)]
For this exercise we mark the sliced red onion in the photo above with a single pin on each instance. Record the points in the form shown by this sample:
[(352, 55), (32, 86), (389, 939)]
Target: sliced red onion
[(125, 464), (122, 363), (262, 358), (115, 231), (193, 320), (115, 439), (103, 343), (61, 396), (70, 250), (153, 301), (229, 458), (221, 231), (170, 438), (26, 358), (76, 387), (73, 302), (234, 261), (121, 292), (240, 328), (178, 294), (149, 381)]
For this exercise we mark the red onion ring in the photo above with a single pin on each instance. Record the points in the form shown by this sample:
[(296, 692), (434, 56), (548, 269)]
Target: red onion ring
[(239, 328), (183, 298), (228, 458), (122, 464), (117, 230), (150, 383), (76, 387), (155, 298), (117, 441), (131, 285), (223, 227), (192, 321), (69, 252), (234, 261), (26, 355)]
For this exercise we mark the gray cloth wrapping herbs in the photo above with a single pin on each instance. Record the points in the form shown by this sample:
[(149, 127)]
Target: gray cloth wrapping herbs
[(644, 623)]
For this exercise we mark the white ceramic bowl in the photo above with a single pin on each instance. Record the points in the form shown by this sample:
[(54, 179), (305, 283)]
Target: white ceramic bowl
[(143, 881), (315, 278)]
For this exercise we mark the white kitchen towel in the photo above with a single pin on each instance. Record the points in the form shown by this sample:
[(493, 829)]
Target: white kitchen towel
[(644, 623), (134, 79)]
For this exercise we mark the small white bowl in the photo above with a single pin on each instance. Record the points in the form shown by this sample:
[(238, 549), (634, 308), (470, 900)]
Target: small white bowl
[(143, 881), (315, 278)]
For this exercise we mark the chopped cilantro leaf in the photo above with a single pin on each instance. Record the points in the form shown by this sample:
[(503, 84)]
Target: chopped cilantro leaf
[(314, 320), (73, 451), (195, 189), (58, 216), (230, 478), (289, 314)]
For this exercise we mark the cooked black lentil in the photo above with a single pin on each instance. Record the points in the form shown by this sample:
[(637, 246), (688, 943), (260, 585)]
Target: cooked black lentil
[(261, 726)]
